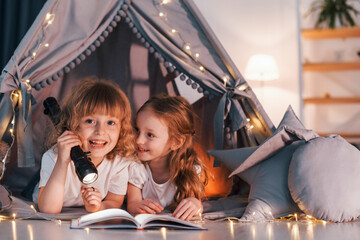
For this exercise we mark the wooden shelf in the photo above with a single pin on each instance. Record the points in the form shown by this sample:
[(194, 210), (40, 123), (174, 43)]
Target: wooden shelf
[(345, 32), (331, 100), (344, 135), (331, 66)]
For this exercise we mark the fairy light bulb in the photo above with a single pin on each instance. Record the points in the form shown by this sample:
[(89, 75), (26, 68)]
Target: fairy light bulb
[(34, 54), (201, 68), (232, 229), (14, 215), (165, 1), (173, 30), (48, 16), (187, 47), (163, 232), (225, 79), (197, 55), (46, 45), (242, 87), (161, 14), (27, 80)]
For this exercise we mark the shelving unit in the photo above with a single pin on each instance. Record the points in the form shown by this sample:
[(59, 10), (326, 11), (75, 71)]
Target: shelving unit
[(323, 34), (347, 32)]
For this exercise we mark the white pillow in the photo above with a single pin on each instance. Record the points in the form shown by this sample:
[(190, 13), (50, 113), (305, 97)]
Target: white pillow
[(324, 179)]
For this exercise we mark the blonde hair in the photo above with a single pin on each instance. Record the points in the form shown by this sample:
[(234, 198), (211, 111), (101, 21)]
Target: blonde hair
[(90, 95), (179, 117)]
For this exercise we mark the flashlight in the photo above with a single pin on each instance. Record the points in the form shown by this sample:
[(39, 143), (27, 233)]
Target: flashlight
[(85, 169)]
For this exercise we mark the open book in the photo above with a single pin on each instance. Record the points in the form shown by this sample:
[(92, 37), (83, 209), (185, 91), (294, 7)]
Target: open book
[(118, 218)]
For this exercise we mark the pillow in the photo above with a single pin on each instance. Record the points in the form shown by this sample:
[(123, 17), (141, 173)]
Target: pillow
[(289, 130), (324, 179), (269, 191)]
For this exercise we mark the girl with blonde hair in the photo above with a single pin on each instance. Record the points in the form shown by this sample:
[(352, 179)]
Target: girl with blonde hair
[(95, 115)]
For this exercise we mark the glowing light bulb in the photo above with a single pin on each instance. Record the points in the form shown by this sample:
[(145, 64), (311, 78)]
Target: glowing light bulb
[(14, 215), (11, 131), (48, 16), (165, 1), (27, 80), (46, 45), (34, 54), (197, 55), (50, 22), (248, 119), (242, 87), (173, 30), (187, 47), (161, 14), (163, 232), (201, 68), (225, 79)]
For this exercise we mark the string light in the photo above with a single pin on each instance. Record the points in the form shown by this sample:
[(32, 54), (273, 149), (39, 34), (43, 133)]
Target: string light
[(232, 228), (201, 68), (187, 46), (165, 1), (163, 233), (225, 79), (46, 45), (161, 14), (173, 30), (48, 15), (14, 216)]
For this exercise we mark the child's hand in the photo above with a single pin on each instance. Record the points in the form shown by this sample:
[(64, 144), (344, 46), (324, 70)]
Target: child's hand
[(65, 142), (187, 208), (147, 206), (92, 199)]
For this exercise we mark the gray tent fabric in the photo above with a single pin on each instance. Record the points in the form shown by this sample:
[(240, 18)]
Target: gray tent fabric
[(69, 38)]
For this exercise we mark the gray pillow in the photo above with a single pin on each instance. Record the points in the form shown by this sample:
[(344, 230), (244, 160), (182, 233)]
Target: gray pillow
[(324, 179), (265, 168), (289, 130), (269, 195)]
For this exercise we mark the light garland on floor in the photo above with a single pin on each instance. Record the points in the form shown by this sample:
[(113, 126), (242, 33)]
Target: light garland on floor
[(14, 216)]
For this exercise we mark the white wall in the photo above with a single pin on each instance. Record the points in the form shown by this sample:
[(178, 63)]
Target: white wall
[(261, 26)]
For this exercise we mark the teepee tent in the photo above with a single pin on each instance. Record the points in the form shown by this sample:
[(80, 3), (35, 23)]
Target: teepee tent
[(146, 47)]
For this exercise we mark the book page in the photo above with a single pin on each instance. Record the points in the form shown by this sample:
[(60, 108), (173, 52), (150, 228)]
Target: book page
[(104, 215), (163, 220)]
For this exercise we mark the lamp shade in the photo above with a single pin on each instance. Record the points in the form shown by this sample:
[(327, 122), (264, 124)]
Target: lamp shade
[(261, 67)]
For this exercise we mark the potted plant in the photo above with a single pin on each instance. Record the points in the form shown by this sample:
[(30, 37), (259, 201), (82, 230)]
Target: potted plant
[(333, 13)]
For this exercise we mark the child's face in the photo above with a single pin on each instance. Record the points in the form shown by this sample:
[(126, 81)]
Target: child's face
[(99, 134), (152, 137)]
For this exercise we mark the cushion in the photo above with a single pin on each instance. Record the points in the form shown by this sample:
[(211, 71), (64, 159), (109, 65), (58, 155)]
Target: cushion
[(265, 168), (289, 130), (324, 179), (269, 194)]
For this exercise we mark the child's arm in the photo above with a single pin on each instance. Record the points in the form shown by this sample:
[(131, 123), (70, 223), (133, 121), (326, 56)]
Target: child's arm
[(136, 205), (93, 200), (187, 208), (51, 196)]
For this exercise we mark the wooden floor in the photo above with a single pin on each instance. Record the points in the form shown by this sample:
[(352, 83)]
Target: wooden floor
[(277, 230)]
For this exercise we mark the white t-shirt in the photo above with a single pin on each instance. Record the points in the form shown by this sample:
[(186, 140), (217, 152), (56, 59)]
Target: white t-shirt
[(112, 177), (141, 177)]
